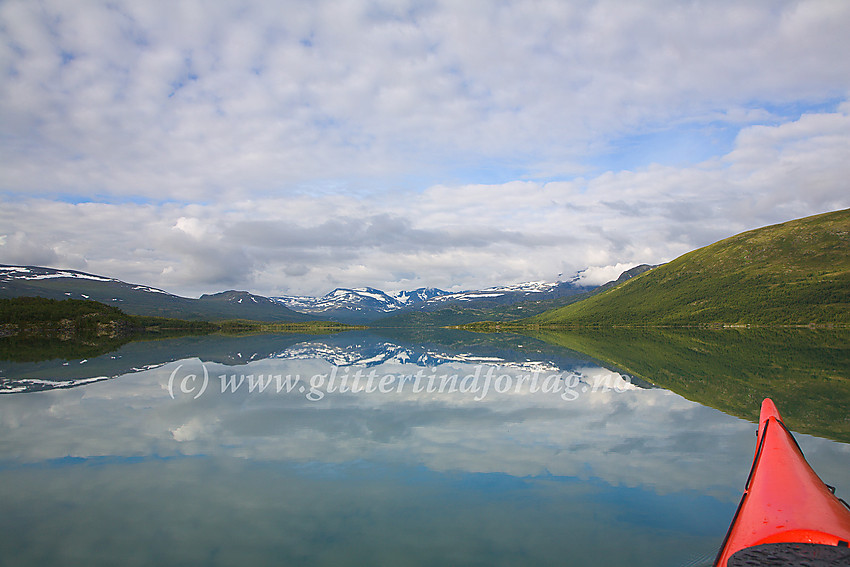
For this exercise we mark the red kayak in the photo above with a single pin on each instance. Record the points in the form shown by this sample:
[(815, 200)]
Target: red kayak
[(787, 516)]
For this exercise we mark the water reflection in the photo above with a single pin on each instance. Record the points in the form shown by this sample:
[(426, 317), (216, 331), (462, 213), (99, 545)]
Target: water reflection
[(805, 371), (133, 467)]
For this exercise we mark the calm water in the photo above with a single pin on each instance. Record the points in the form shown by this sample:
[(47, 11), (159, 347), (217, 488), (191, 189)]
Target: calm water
[(362, 449)]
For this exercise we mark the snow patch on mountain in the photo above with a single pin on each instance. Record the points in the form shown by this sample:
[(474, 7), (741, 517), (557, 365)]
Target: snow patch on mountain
[(530, 287), (354, 299), (28, 273), (149, 289), (366, 299)]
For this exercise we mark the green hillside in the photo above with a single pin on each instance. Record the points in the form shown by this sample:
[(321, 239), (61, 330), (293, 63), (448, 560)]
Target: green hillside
[(793, 273)]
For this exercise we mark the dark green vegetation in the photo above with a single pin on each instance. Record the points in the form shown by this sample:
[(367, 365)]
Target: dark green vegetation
[(37, 328), (805, 371), (23, 310), (794, 273)]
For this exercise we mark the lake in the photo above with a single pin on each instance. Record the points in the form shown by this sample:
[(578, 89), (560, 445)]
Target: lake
[(405, 447)]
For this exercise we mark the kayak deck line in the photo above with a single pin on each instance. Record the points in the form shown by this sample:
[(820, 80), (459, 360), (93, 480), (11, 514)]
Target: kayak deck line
[(787, 514)]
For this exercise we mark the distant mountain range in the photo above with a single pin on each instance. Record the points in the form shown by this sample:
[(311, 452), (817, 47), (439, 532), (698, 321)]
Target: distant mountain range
[(348, 305), (366, 305)]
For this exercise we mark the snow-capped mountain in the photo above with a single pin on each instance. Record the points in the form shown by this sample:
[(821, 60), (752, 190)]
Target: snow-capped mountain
[(356, 300), (367, 304), (417, 296), (516, 290), (362, 303)]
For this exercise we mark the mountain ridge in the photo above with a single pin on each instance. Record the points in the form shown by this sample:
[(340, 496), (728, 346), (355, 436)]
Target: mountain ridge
[(349, 305), (370, 304), (137, 299)]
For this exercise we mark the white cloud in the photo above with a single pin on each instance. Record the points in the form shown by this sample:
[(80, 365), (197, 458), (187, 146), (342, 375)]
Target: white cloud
[(220, 99), (598, 275), (360, 143)]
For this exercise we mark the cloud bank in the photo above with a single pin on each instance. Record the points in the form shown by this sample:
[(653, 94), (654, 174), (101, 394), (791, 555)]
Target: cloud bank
[(290, 147)]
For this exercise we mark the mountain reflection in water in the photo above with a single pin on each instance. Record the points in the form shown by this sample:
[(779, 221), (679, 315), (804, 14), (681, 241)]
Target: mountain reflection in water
[(143, 467)]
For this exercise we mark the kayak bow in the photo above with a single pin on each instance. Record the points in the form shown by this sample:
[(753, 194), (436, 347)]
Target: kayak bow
[(787, 515)]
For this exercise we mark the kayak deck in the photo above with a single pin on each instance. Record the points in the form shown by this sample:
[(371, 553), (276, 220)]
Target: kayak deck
[(787, 554), (786, 510)]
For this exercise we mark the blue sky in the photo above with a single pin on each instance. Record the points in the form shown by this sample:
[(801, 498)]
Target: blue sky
[(398, 143)]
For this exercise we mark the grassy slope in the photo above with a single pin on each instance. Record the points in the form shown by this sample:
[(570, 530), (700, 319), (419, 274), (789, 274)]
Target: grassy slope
[(794, 273)]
